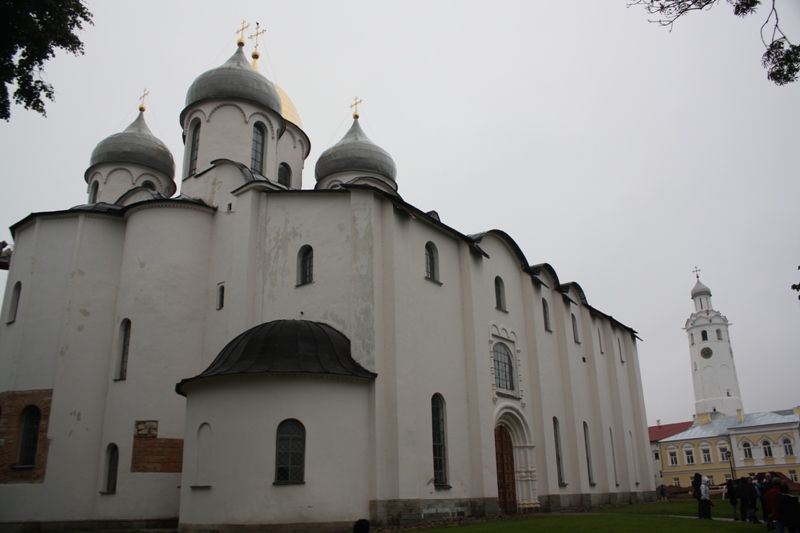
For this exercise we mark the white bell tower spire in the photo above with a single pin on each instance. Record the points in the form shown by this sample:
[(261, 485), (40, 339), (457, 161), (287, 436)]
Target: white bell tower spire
[(716, 386)]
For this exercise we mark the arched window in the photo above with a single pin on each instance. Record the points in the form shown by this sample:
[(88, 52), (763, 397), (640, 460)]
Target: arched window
[(13, 305), (147, 184), (691, 337), (748, 451), (546, 315), (575, 336), (31, 417), (290, 452), (284, 174), (220, 296), (704, 335), (499, 293), (203, 455), (788, 449), (124, 347), (93, 192), (503, 367), (112, 467), (431, 262), (439, 441), (257, 154), (193, 149), (305, 265), (719, 334), (767, 447), (614, 456), (588, 447), (600, 340), (559, 463), (621, 353)]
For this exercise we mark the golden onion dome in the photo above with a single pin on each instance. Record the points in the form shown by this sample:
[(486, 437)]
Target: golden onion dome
[(288, 110)]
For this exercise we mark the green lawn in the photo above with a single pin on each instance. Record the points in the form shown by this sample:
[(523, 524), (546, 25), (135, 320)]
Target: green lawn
[(604, 523), (649, 517)]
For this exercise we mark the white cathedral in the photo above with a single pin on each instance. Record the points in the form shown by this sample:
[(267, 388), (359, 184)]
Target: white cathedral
[(250, 353)]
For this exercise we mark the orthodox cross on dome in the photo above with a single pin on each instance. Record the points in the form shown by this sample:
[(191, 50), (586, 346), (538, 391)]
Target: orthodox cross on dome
[(240, 31), (354, 106), (696, 272), (141, 98), (258, 32)]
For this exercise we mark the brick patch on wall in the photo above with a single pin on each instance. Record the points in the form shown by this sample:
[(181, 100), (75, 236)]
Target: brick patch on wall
[(12, 405), (151, 454)]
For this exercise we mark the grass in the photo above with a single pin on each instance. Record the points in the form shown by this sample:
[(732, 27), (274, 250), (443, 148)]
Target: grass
[(667, 517), (604, 523)]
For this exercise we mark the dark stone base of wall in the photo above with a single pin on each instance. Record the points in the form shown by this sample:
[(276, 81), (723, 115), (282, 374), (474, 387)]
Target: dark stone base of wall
[(314, 527), (403, 512), (560, 502), (86, 525)]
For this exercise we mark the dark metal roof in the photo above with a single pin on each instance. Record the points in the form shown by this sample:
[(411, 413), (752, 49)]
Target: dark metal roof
[(136, 145), (236, 78), (355, 152), (285, 347)]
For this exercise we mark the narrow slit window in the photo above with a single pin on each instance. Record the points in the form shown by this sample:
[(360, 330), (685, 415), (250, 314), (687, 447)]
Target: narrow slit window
[(546, 315), (284, 174), (559, 462), (499, 293), (257, 155), (125, 344), (13, 305), (112, 467), (305, 265), (439, 441), (220, 296), (431, 265), (29, 442), (93, 192), (575, 336), (193, 149)]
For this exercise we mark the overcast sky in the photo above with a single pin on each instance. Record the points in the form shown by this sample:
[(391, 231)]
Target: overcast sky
[(620, 153)]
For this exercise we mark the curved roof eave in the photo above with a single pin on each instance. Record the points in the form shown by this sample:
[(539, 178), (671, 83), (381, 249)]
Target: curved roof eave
[(565, 287), (548, 269), (510, 242)]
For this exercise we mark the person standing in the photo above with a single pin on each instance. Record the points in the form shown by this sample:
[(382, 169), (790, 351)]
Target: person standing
[(663, 491), (733, 496), (751, 495), (705, 499), (789, 509), (697, 482), (771, 505)]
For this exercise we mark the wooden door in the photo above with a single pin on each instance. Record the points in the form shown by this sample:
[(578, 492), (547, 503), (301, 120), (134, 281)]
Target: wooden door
[(504, 455)]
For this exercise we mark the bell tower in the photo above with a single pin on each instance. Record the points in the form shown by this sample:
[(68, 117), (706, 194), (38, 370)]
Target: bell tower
[(716, 386)]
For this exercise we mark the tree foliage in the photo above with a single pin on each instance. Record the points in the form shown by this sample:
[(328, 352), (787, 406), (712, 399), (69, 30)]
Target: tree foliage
[(30, 33), (781, 58)]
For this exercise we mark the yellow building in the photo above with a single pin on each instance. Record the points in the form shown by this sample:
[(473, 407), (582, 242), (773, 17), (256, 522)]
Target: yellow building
[(726, 447)]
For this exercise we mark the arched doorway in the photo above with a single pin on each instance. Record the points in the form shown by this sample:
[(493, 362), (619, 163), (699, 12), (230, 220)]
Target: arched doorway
[(506, 485)]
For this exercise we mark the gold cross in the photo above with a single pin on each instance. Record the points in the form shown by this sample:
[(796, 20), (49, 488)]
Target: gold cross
[(696, 272), (257, 33), (240, 31), (144, 94), (354, 106)]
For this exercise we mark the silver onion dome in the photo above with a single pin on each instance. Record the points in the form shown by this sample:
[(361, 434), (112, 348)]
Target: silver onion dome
[(136, 144), (235, 78), (355, 152)]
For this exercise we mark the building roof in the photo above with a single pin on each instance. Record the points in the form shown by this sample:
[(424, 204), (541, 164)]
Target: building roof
[(298, 347), (667, 430)]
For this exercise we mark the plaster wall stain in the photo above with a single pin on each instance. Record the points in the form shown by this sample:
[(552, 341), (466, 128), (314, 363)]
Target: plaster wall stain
[(85, 312), (80, 328)]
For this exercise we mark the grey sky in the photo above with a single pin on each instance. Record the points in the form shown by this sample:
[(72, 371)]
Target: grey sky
[(621, 154)]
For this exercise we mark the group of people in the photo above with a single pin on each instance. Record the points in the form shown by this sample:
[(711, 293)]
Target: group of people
[(779, 509)]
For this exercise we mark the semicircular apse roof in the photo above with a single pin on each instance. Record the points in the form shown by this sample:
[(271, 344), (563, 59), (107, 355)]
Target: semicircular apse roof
[(285, 347)]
